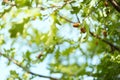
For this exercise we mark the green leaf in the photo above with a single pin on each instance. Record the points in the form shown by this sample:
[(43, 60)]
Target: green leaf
[(17, 28), (14, 74), (75, 10), (22, 3), (67, 51), (27, 56)]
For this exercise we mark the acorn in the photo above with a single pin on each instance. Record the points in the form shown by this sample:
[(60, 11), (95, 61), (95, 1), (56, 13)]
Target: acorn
[(96, 42), (40, 55), (106, 3), (76, 25), (83, 29), (104, 32)]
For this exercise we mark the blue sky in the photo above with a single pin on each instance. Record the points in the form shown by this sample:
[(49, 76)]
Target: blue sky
[(66, 31)]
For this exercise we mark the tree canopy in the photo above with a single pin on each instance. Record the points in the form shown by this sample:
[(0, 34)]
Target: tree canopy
[(76, 39)]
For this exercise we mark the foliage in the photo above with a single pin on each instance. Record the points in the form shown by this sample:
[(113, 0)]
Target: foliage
[(81, 37)]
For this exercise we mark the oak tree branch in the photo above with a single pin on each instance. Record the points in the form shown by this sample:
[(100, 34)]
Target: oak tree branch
[(32, 73), (105, 41), (115, 5)]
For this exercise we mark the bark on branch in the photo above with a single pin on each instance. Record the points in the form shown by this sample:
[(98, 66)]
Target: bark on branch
[(115, 5), (32, 73), (105, 41)]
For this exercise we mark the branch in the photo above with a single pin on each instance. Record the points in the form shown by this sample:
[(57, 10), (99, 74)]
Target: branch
[(42, 76), (66, 19), (105, 41), (115, 5), (32, 73), (75, 14)]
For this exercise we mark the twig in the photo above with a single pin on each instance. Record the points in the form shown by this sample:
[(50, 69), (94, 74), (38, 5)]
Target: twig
[(32, 73), (107, 42), (42, 76), (115, 5), (66, 19), (75, 14), (69, 1)]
